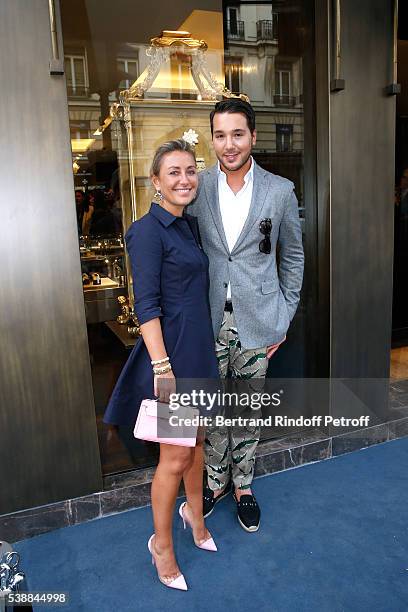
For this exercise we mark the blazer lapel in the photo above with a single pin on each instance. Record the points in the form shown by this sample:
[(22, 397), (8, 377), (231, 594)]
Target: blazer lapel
[(211, 191), (259, 192)]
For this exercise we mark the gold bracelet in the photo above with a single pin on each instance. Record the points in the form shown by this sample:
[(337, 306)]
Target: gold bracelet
[(163, 370), (159, 361)]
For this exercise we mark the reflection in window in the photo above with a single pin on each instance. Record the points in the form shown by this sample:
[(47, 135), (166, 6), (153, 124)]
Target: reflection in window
[(233, 70), (258, 49), (283, 87), (284, 138), (267, 29), (235, 27), (130, 68), (79, 129), (180, 66), (76, 75)]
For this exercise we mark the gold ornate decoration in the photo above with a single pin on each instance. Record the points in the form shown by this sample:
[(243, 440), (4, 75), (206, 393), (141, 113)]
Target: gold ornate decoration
[(128, 316), (160, 51), (169, 38)]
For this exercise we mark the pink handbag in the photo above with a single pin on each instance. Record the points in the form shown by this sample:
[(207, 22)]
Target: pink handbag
[(153, 424)]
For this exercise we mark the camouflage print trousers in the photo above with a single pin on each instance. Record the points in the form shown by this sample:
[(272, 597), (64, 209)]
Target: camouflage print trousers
[(232, 449)]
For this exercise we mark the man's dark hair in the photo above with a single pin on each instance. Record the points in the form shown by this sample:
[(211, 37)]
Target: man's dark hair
[(234, 105)]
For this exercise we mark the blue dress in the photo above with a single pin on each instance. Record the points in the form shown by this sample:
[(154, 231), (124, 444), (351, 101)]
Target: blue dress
[(170, 281)]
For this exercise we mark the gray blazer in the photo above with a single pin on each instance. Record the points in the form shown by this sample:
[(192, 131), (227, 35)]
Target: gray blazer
[(264, 297)]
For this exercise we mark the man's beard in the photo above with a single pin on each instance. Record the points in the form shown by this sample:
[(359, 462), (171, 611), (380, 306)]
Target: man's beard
[(239, 167)]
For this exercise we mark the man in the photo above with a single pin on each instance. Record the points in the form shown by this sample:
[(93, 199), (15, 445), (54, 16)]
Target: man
[(244, 213), (80, 208)]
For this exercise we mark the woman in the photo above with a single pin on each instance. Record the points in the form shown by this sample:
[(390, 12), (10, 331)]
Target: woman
[(81, 203), (170, 280), (102, 222), (88, 212)]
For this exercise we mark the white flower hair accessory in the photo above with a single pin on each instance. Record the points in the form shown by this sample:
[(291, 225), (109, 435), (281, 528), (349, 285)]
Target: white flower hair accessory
[(191, 137)]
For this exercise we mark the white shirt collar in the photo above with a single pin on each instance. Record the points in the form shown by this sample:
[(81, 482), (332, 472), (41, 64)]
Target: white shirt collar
[(249, 175)]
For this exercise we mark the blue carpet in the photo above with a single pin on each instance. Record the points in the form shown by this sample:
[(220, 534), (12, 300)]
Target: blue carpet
[(333, 538)]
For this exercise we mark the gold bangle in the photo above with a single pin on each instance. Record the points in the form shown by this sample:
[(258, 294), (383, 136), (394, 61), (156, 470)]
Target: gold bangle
[(163, 370), (159, 361)]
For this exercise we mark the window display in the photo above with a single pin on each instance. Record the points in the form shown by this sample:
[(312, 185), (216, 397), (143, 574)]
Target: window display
[(146, 74)]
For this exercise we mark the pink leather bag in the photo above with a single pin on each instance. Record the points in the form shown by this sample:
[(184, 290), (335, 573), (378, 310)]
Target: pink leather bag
[(153, 424)]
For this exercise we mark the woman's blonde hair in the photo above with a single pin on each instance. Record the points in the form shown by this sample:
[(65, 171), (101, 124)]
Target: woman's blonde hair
[(169, 147)]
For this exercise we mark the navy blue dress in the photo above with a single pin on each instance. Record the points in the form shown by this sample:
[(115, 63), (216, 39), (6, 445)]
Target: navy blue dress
[(170, 281)]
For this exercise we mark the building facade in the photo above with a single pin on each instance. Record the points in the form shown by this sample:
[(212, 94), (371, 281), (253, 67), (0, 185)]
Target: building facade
[(325, 120)]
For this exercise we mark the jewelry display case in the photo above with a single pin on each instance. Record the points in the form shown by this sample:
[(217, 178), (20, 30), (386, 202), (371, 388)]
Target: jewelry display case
[(103, 276)]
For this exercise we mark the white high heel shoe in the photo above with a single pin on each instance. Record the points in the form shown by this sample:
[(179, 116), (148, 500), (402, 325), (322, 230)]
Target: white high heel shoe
[(207, 544), (173, 583)]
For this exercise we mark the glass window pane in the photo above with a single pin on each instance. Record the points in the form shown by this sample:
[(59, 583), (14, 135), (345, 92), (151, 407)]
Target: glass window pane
[(79, 72), (132, 70), (109, 52), (68, 71), (285, 84), (277, 82)]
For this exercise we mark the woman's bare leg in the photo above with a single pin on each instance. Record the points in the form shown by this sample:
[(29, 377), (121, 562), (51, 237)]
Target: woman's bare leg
[(193, 483), (174, 460)]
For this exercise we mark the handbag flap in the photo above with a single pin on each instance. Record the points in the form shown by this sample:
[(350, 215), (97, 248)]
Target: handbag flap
[(164, 411)]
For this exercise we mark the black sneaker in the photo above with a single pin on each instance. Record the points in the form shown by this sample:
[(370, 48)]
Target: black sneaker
[(249, 513), (209, 500)]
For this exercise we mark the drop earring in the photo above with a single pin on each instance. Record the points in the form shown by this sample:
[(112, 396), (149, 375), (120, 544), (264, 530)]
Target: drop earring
[(158, 196)]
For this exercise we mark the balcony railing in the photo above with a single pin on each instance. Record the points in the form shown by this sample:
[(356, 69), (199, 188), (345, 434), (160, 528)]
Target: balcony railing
[(284, 100), (79, 91), (267, 29), (236, 30)]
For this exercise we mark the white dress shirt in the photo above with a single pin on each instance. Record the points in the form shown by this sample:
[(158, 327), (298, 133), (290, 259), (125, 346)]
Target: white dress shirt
[(234, 208)]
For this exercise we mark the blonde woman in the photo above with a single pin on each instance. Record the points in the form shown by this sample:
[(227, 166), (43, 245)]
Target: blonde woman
[(170, 277)]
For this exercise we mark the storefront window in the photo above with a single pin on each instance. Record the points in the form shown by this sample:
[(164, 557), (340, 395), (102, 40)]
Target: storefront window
[(125, 97)]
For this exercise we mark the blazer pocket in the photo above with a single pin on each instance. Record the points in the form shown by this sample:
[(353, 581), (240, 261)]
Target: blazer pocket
[(269, 287)]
